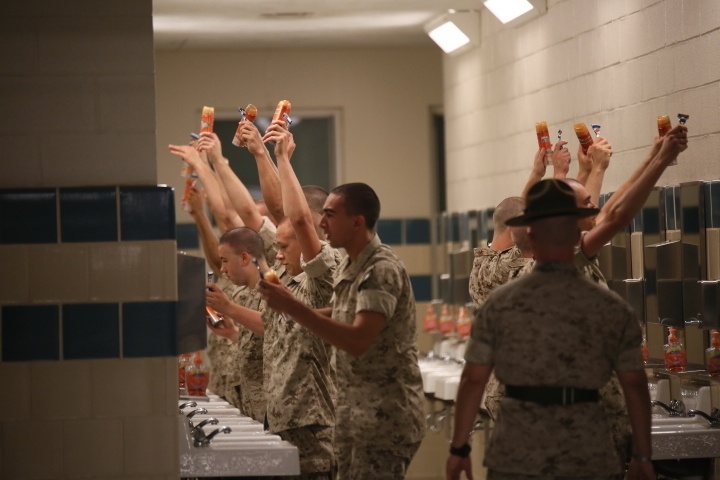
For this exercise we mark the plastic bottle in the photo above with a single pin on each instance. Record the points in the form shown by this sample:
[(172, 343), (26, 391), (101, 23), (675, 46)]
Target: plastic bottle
[(663, 125), (644, 350), (282, 111), (183, 362), (248, 113), (464, 323), (430, 321), (447, 324), (197, 376), (543, 137), (207, 120), (675, 356), (712, 355), (583, 135)]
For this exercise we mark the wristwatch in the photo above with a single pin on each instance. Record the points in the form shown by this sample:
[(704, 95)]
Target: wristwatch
[(462, 451)]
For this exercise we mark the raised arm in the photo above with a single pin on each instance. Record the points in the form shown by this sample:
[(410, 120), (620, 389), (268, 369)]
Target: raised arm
[(250, 319), (295, 205), (617, 214), (599, 154), (267, 171), (208, 239), (238, 193), (560, 160), (538, 171)]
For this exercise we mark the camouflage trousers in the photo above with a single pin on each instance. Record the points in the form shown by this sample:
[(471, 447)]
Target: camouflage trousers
[(315, 447), (359, 461)]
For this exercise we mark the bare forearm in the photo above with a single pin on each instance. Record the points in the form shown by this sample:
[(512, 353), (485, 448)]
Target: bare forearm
[(297, 210), (240, 197), (208, 240), (467, 405), (250, 319), (634, 386), (270, 185)]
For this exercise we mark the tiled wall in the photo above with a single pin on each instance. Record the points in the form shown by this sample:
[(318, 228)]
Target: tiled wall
[(88, 291), (619, 63)]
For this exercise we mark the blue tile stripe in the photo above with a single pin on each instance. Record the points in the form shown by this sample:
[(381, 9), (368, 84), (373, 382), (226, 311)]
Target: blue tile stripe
[(88, 214), (422, 287), (88, 331)]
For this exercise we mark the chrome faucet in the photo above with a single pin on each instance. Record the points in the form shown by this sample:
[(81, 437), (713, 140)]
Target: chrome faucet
[(713, 418), (675, 409), (184, 405), (207, 421), (193, 413), (203, 440)]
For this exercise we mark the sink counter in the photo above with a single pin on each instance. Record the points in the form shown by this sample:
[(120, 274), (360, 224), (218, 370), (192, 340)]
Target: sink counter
[(245, 451)]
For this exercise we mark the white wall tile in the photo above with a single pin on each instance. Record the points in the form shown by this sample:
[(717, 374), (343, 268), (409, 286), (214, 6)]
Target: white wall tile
[(20, 161), (15, 403), (14, 285), (150, 445), (20, 446), (68, 281), (60, 390), (93, 448)]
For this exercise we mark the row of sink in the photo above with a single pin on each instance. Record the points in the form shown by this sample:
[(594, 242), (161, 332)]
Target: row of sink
[(229, 443), (673, 437)]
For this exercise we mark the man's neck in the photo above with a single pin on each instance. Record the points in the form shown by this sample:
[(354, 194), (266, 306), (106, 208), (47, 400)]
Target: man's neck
[(358, 244)]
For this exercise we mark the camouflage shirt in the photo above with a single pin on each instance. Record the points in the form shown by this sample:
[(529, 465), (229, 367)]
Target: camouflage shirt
[(221, 350), (492, 268), (562, 330), (247, 366), (299, 368), (380, 396)]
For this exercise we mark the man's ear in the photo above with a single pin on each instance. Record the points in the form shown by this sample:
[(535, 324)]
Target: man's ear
[(358, 221)]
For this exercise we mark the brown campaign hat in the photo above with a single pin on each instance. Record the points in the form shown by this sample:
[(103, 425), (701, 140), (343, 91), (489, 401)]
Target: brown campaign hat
[(550, 198)]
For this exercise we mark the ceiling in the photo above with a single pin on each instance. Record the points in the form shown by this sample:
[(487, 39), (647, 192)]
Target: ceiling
[(196, 24)]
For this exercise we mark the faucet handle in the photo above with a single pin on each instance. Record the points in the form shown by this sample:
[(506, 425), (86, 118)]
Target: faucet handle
[(678, 407), (207, 421), (184, 405)]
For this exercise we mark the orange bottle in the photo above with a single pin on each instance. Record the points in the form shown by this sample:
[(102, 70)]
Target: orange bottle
[(183, 362), (675, 356), (282, 111), (464, 323), (207, 120), (664, 125), (430, 321), (583, 135), (197, 376), (543, 137), (447, 323), (248, 113)]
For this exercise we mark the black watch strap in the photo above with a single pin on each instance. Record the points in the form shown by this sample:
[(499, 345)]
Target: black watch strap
[(462, 451)]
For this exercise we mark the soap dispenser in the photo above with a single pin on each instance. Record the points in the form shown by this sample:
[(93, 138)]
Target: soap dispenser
[(712, 355), (197, 376), (675, 356)]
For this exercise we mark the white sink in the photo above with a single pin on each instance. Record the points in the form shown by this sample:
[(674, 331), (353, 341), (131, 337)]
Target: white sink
[(252, 445), (446, 388)]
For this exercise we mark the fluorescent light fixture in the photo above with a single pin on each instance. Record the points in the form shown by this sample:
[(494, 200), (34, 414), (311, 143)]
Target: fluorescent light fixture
[(455, 32), (508, 10)]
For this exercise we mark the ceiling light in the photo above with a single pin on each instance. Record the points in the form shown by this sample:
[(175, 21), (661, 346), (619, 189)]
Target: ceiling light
[(455, 31), (508, 10)]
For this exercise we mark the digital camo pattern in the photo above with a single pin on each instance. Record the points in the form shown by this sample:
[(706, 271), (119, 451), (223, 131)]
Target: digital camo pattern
[(267, 233), (246, 373), (221, 350), (565, 331), (299, 368), (315, 448), (380, 396), (492, 268)]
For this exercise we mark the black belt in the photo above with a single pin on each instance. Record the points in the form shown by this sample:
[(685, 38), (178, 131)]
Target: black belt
[(552, 395)]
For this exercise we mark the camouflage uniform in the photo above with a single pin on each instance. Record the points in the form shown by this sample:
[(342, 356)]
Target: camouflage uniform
[(566, 331), (380, 399), (611, 395), (299, 369), (221, 350), (246, 374), (491, 269)]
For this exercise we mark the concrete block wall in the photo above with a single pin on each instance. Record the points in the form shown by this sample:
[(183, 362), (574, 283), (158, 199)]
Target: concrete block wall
[(619, 63)]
